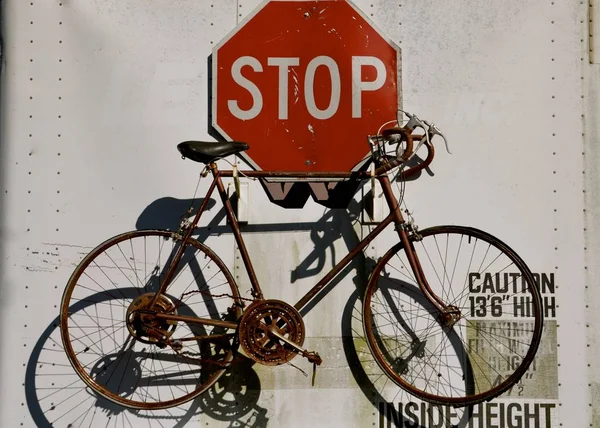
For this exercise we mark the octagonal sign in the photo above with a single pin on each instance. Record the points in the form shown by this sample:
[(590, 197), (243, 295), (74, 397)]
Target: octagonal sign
[(304, 83)]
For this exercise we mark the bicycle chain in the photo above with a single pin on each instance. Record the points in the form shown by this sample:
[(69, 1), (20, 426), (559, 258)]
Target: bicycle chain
[(186, 354), (177, 347), (311, 356), (208, 293)]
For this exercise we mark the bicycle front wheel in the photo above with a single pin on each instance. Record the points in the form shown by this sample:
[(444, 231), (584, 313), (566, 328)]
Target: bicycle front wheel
[(116, 345), (488, 336)]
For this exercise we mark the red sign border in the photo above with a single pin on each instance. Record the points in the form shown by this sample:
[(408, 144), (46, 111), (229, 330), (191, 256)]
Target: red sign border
[(240, 25)]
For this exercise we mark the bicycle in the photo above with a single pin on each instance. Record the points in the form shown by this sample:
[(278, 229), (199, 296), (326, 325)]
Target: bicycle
[(152, 318)]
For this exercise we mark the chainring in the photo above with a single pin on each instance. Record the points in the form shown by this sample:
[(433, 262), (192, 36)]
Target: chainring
[(264, 316)]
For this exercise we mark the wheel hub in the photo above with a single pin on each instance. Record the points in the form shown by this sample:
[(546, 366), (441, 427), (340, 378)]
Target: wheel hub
[(256, 328), (142, 322), (451, 316)]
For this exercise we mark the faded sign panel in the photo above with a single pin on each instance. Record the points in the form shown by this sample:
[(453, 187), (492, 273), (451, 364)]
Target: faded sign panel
[(540, 381)]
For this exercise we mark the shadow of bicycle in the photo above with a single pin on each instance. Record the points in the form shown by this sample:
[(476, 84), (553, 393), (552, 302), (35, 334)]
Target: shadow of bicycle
[(57, 397), (394, 406)]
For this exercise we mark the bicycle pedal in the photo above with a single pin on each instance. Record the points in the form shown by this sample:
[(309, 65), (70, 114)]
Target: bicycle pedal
[(313, 357)]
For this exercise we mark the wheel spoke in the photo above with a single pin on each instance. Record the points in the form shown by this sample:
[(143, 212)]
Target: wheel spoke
[(116, 344), (465, 354)]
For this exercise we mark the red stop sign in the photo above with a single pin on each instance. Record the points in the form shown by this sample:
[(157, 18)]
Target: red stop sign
[(304, 83)]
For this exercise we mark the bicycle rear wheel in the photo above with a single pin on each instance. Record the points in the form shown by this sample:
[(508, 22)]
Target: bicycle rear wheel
[(497, 318), (117, 347)]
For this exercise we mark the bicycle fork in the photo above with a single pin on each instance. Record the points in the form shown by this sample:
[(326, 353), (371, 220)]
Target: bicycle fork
[(449, 314)]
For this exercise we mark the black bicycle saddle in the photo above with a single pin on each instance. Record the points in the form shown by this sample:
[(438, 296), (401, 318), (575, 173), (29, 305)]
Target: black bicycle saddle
[(206, 152)]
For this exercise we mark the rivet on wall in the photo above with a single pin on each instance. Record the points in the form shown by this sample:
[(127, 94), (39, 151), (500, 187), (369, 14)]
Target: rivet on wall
[(553, 81), (59, 133)]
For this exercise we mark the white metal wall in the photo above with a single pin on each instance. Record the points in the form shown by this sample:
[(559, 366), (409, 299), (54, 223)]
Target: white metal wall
[(96, 94), (591, 157)]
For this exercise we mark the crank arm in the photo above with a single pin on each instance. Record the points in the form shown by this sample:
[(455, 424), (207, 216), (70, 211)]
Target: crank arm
[(313, 357)]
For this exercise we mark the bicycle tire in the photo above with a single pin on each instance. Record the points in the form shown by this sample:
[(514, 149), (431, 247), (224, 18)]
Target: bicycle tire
[(115, 353), (484, 356)]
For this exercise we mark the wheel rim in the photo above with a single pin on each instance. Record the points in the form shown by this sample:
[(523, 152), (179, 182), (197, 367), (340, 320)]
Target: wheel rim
[(115, 344), (485, 341)]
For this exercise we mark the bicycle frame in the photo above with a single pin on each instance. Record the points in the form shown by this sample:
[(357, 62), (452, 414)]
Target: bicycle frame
[(429, 346), (395, 216)]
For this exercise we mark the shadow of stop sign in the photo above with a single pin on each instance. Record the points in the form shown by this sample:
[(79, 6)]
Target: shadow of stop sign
[(304, 83)]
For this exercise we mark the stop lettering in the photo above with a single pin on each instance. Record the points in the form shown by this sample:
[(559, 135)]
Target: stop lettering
[(283, 64), (304, 83)]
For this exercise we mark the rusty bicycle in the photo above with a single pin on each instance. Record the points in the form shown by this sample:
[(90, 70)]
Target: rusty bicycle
[(152, 318)]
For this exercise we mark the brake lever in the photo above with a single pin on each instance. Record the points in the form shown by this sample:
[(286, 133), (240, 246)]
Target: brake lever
[(414, 121), (434, 130)]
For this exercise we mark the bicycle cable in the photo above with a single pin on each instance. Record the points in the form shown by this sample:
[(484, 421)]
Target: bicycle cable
[(190, 210), (400, 184), (235, 167)]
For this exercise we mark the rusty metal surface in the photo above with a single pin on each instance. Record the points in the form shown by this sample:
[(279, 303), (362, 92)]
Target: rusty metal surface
[(256, 289), (255, 331), (359, 175)]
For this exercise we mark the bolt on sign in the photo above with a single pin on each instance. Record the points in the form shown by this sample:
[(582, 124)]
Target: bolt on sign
[(304, 83)]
